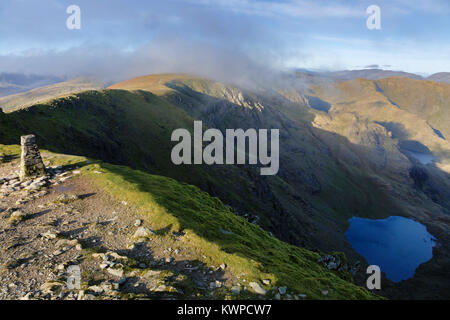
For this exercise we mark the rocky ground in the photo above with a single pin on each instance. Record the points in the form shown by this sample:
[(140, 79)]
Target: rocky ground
[(53, 225)]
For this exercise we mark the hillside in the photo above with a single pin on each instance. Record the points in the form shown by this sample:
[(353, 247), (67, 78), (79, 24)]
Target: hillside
[(440, 77), (12, 83), (333, 165), (42, 94), (369, 74), (155, 83), (415, 112), (364, 167), (427, 99), (136, 235)]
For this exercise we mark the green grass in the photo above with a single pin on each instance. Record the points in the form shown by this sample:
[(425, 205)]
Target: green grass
[(246, 248), (47, 93), (133, 129)]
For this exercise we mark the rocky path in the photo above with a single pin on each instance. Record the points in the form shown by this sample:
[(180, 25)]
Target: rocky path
[(55, 226)]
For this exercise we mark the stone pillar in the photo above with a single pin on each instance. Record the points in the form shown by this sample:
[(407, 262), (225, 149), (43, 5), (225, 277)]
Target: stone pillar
[(31, 164)]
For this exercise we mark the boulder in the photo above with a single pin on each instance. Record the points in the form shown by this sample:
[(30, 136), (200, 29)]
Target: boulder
[(257, 288), (143, 232)]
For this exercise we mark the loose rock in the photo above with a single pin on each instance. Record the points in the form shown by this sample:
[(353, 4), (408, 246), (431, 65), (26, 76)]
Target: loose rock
[(257, 288)]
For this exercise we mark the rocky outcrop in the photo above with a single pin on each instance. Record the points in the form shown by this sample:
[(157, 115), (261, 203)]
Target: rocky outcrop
[(31, 164)]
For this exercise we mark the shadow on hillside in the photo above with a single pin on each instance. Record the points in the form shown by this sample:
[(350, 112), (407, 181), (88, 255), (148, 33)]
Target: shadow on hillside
[(397, 129), (213, 112), (400, 133), (300, 211), (377, 200)]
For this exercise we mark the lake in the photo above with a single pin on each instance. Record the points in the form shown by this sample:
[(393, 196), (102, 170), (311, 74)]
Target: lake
[(397, 245)]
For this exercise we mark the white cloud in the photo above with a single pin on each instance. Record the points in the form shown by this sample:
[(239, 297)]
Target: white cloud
[(164, 55), (324, 8), (293, 8), (407, 56), (206, 37)]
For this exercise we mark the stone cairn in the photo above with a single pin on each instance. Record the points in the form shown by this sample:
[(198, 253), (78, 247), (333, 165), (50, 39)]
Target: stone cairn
[(31, 165)]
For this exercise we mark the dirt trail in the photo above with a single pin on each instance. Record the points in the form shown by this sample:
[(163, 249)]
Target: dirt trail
[(51, 224)]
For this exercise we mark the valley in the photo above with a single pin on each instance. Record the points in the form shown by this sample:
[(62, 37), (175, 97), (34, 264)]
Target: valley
[(352, 158)]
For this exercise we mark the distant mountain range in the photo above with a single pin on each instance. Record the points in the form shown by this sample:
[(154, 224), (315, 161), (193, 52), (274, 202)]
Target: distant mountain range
[(12, 83), (346, 149), (42, 94), (373, 74), (440, 77), (21, 91)]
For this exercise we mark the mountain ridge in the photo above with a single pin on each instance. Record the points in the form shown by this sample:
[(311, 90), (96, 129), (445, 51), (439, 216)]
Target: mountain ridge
[(12, 83), (362, 170), (53, 91)]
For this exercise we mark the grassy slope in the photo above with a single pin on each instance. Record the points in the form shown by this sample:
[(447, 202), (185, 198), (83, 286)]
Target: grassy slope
[(108, 123), (364, 174), (409, 108), (173, 206), (43, 94), (154, 83), (302, 147), (129, 128), (117, 125), (427, 99), (355, 177)]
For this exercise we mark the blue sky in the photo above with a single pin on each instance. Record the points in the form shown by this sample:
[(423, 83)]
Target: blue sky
[(221, 36)]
